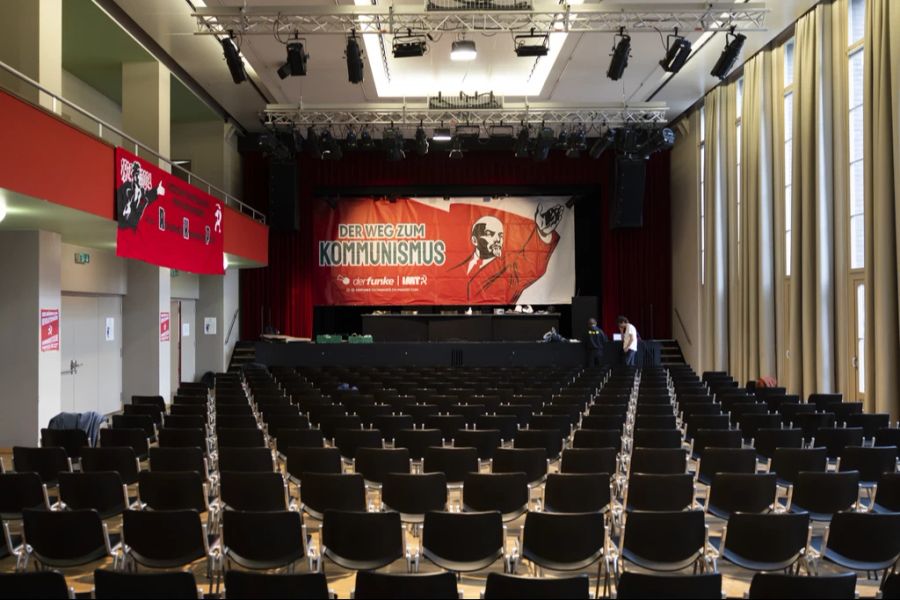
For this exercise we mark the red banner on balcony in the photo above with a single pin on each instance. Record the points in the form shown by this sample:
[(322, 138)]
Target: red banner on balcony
[(165, 221)]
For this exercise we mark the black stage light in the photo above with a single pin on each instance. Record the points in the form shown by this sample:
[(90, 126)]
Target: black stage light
[(421, 141), (442, 134), (312, 143), (543, 144), (603, 143), (233, 60), (502, 131), (456, 152), (350, 139), (733, 44), (656, 141), (393, 144), (676, 54), (331, 148), (355, 69), (532, 45), (577, 144), (523, 144), (468, 131), (365, 140), (619, 60), (409, 45), (296, 61)]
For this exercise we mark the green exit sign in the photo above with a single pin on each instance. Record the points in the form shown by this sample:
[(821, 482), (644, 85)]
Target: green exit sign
[(82, 258)]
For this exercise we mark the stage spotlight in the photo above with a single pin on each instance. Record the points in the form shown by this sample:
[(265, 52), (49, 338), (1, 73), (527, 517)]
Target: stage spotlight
[(312, 143), (543, 144), (532, 45), (442, 134), (233, 59), (456, 152), (421, 141), (355, 69), (365, 140), (523, 144), (393, 144), (733, 44), (350, 139), (331, 148), (409, 45), (502, 131), (468, 131), (296, 61), (463, 50), (577, 143), (656, 141), (603, 143), (620, 54), (677, 53)]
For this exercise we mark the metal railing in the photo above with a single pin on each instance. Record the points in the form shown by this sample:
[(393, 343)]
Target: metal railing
[(100, 128), (683, 328)]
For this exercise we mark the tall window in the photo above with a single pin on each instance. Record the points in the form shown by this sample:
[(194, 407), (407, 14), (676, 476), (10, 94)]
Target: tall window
[(856, 157), (737, 170), (702, 196), (788, 150)]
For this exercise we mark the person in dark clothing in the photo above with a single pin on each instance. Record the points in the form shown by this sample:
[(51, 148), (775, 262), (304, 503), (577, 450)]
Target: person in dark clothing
[(595, 343)]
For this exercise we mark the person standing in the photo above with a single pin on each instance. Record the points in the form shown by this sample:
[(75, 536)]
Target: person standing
[(595, 344), (629, 340)]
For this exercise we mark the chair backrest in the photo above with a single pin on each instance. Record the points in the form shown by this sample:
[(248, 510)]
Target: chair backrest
[(577, 492), (560, 541), (263, 539), (302, 460), (636, 586), (657, 438), (19, 491), (299, 438), (84, 541), (871, 540), (825, 493), (163, 538), (133, 437), (597, 438), (661, 461), (101, 490), (659, 492), (417, 441), (327, 491), (835, 439), (279, 423), (549, 439), (71, 440), (503, 492), (664, 540), (247, 584), (135, 421), (726, 460), (716, 438), (414, 495), (179, 459), (436, 586), (185, 421), (349, 440), (362, 540), (767, 441), (500, 586), (772, 541), (455, 463), (172, 490), (40, 584), (888, 436), (253, 490), (115, 584), (463, 541), (375, 463), (329, 424), (531, 461), (744, 492), (121, 459), (240, 438), (776, 586), (870, 462), (178, 437), (870, 422), (46, 462), (887, 495), (246, 459), (485, 441), (788, 462), (149, 410), (589, 460)]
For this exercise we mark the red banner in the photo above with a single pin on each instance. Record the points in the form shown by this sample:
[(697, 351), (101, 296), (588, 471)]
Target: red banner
[(432, 251), (49, 329), (165, 221)]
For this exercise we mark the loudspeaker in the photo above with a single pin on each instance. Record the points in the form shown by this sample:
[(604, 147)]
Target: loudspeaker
[(283, 214), (583, 308), (627, 206)]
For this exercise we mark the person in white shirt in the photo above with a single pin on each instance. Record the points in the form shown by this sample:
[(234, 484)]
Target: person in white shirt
[(629, 340)]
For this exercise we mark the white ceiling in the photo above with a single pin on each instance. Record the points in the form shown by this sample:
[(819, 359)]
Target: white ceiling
[(574, 74)]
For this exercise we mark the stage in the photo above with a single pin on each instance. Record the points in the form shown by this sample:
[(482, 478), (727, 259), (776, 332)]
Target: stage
[(507, 327), (442, 354)]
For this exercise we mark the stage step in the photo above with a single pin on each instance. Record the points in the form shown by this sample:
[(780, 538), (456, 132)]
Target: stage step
[(243, 353), (670, 353)]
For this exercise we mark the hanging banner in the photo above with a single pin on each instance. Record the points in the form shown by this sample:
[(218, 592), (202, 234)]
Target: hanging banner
[(164, 334), (436, 251), (165, 221), (49, 329)]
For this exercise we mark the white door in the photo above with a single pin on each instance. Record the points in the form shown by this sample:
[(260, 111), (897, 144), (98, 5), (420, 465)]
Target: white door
[(175, 344), (91, 351)]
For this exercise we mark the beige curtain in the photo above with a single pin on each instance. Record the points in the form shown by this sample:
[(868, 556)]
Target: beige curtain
[(811, 337), (715, 297), (775, 119), (882, 197)]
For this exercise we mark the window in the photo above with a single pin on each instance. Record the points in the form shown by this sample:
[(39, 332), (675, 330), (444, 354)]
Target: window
[(737, 170), (856, 151), (861, 338), (788, 150), (702, 196)]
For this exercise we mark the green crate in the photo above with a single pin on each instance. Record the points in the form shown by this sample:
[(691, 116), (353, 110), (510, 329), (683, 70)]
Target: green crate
[(360, 339), (329, 338)]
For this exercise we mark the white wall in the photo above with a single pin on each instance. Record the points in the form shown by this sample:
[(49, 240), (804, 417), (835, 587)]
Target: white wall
[(83, 95), (105, 274), (185, 285), (146, 359), (231, 303)]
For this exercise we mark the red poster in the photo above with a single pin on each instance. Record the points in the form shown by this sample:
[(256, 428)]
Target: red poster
[(165, 221), (49, 329), (164, 327), (436, 251)]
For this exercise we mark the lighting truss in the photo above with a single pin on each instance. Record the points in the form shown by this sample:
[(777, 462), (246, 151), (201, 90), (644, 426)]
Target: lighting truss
[(409, 117), (544, 16)]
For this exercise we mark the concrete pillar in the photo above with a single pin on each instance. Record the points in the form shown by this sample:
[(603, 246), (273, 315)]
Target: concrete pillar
[(146, 105), (216, 311), (146, 359), (32, 44), (30, 268)]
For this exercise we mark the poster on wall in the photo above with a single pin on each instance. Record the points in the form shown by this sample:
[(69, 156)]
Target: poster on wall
[(164, 327), (49, 329), (437, 251), (165, 221)]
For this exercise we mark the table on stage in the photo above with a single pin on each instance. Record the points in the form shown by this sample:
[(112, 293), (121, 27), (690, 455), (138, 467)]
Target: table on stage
[(508, 327)]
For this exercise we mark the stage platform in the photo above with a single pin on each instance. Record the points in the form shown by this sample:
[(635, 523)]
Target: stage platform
[(440, 354)]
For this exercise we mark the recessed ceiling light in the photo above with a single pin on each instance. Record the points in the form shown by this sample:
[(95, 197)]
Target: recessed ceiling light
[(463, 50)]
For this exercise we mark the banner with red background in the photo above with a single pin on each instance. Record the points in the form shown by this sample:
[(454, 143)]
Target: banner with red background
[(436, 251), (164, 220)]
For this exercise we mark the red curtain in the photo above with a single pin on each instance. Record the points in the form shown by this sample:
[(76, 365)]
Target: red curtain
[(636, 264)]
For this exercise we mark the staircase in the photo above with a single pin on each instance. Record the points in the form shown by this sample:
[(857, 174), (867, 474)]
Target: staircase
[(670, 353), (244, 353)]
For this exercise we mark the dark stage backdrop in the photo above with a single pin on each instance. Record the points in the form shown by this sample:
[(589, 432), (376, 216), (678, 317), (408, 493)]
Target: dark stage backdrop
[(628, 269)]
